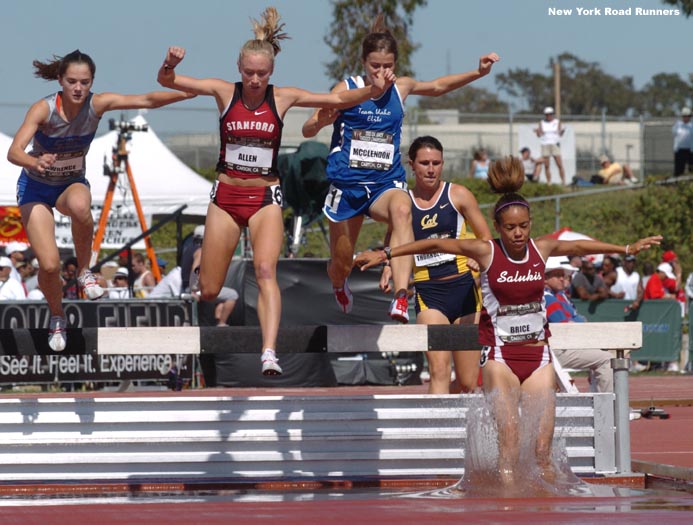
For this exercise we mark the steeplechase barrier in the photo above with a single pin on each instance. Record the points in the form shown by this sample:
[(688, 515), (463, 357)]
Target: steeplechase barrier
[(211, 436)]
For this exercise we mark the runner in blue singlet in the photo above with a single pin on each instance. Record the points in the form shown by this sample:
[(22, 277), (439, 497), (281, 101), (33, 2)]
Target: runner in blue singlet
[(364, 164)]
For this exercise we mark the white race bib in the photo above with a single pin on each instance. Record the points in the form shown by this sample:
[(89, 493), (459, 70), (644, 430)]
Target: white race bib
[(519, 323), (371, 150), (249, 158), (433, 259), (67, 165)]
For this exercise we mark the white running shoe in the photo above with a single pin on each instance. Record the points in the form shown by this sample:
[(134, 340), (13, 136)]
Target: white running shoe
[(344, 298), (399, 309), (88, 283), (270, 364), (57, 333)]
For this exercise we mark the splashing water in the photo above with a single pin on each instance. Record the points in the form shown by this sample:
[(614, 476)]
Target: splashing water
[(526, 477)]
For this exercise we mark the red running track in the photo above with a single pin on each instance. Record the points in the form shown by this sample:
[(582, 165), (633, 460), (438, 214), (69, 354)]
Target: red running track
[(665, 441)]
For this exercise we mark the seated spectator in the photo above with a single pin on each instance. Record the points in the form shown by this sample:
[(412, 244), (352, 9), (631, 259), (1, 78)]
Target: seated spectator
[(31, 282), (587, 285), (655, 288), (69, 275), (171, 285), (144, 280), (676, 284), (532, 166), (559, 309), (120, 288), (10, 289), (478, 169), (615, 173), (609, 275), (15, 251)]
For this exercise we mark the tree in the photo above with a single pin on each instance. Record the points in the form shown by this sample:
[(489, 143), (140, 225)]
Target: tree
[(585, 88), (686, 6), (351, 23), (466, 100), (665, 94)]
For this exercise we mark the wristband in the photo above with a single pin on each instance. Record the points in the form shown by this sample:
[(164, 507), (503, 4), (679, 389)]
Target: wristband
[(167, 67), (388, 252), (627, 248)]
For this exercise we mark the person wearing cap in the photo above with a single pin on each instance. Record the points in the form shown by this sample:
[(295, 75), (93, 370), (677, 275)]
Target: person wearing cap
[(550, 131), (676, 283), (682, 133), (656, 288), (559, 309), (10, 290), (120, 288), (615, 173), (15, 251)]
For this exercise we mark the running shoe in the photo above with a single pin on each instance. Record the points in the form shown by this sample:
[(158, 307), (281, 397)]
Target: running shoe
[(344, 298), (57, 333), (270, 364), (399, 309), (88, 283)]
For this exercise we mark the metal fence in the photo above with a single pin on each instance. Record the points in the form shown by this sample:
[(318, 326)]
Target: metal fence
[(644, 144)]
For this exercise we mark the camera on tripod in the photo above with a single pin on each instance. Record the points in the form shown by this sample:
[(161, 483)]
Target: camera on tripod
[(123, 126)]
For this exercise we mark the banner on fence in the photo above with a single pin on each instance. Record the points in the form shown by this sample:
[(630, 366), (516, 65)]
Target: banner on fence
[(661, 324)]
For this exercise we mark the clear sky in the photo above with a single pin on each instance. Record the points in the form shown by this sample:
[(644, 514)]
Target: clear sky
[(128, 40)]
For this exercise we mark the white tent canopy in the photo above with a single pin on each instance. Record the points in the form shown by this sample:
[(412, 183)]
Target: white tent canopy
[(162, 181)]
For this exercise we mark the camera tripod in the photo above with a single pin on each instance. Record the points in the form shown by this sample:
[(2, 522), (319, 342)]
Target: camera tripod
[(120, 160)]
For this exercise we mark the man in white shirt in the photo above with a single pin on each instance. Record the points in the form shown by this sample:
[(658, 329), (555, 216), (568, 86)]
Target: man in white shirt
[(682, 133), (10, 289), (629, 282)]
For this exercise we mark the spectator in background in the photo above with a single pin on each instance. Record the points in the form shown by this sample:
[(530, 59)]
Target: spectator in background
[(682, 132), (144, 280), (69, 275), (25, 271), (614, 173), (171, 285), (120, 289), (655, 288), (559, 309), (10, 289), (659, 286), (587, 285), (648, 270), (15, 251), (478, 169), (609, 275), (532, 166), (550, 131), (628, 283), (31, 282)]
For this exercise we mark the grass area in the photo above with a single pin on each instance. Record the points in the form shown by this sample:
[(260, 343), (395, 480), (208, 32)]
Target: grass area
[(619, 217)]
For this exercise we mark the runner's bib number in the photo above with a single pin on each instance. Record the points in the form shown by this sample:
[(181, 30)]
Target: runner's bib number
[(249, 158), (519, 323), (433, 259), (66, 165), (373, 150)]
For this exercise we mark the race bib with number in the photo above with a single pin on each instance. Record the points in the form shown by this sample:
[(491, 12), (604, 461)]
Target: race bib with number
[(249, 156), (67, 165), (433, 259), (371, 150), (519, 323)]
